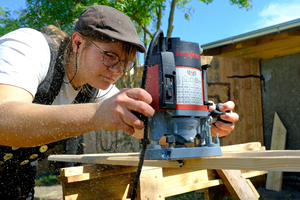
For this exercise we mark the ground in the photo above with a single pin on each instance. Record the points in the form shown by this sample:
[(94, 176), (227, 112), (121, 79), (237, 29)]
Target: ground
[(53, 192)]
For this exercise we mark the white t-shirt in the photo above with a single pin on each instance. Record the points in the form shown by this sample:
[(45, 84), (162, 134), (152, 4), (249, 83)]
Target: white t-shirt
[(24, 62)]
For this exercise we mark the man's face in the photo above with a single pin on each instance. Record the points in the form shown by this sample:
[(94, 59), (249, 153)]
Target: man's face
[(93, 71)]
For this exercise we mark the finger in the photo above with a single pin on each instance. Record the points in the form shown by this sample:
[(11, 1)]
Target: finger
[(139, 94), (132, 100), (213, 107), (128, 129), (132, 120), (126, 124), (229, 105), (139, 101), (224, 126), (141, 107), (216, 130), (221, 131), (230, 117)]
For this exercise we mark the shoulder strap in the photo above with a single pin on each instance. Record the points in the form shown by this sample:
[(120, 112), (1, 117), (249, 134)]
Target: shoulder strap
[(49, 88)]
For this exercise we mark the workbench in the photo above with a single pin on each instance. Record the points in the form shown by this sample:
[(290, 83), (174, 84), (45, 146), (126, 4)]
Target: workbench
[(110, 176)]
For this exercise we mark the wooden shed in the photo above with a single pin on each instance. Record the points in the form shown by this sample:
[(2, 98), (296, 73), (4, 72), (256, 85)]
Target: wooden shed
[(260, 72)]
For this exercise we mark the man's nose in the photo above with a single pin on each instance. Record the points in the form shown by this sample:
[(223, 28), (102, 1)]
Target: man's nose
[(118, 68)]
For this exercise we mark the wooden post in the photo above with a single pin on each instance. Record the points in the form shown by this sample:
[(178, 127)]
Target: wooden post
[(151, 184), (237, 185), (274, 178)]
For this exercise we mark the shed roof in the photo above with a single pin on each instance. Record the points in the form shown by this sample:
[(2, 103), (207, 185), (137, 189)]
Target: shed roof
[(273, 41)]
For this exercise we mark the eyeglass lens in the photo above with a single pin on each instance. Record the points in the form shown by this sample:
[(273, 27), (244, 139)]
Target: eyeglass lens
[(109, 59)]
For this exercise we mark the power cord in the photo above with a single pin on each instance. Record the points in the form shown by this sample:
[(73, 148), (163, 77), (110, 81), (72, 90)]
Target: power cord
[(145, 139)]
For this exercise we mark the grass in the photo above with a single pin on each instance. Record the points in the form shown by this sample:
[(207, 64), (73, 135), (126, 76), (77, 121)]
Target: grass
[(46, 180), (187, 196)]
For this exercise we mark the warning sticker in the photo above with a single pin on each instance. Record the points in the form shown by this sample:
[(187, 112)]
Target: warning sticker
[(189, 86)]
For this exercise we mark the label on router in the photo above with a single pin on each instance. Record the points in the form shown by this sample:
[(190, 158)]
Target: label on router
[(189, 86)]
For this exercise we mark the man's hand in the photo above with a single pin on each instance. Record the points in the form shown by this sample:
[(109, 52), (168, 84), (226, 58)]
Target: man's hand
[(115, 112), (222, 128)]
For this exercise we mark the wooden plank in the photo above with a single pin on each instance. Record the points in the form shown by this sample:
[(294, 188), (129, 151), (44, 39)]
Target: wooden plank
[(151, 184), (99, 174), (180, 180), (274, 178), (251, 146), (253, 188), (278, 134), (251, 174), (78, 170), (276, 160), (192, 187), (71, 171), (237, 185), (111, 188)]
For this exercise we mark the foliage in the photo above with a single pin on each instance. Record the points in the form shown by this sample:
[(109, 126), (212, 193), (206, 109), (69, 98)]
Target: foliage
[(46, 179), (9, 20), (62, 14), (144, 14), (188, 196)]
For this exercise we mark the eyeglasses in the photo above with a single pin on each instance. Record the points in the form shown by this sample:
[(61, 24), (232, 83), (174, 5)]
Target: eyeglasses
[(111, 59)]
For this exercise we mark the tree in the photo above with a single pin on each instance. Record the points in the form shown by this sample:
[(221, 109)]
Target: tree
[(144, 13), (9, 20)]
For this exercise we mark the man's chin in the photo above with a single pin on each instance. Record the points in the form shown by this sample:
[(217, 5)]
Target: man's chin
[(102, 86)]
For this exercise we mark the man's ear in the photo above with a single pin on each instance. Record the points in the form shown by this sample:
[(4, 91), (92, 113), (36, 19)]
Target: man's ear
[(76, 41)]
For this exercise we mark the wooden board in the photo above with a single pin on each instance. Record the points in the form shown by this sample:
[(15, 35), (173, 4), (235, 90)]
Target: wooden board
[(288, 160), (237, 185), (151, 184), (274, 178)]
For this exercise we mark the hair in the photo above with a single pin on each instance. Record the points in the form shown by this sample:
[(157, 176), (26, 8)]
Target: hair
[(58, 35), (54, 33)]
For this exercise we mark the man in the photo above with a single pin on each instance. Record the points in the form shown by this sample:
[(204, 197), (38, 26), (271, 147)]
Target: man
[(49, 94)]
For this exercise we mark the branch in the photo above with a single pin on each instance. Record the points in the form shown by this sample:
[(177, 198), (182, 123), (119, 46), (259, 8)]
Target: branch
[(171, 18), (142, 26), (159, 17)]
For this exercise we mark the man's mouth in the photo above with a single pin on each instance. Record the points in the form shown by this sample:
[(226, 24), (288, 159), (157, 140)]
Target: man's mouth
[(109, 78)]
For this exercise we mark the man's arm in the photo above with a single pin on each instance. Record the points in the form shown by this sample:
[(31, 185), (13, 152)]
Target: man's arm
[(25, 124)]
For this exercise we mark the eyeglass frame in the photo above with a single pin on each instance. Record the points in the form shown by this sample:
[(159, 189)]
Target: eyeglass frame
[(105, 53)]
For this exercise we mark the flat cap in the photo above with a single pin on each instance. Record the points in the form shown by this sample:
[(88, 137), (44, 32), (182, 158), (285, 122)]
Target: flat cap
[(100, 20)]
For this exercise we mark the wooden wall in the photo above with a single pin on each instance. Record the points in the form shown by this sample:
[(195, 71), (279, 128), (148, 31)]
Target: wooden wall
[(244, 92)]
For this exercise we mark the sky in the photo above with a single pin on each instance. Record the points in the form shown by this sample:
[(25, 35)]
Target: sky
[(219, 20)]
